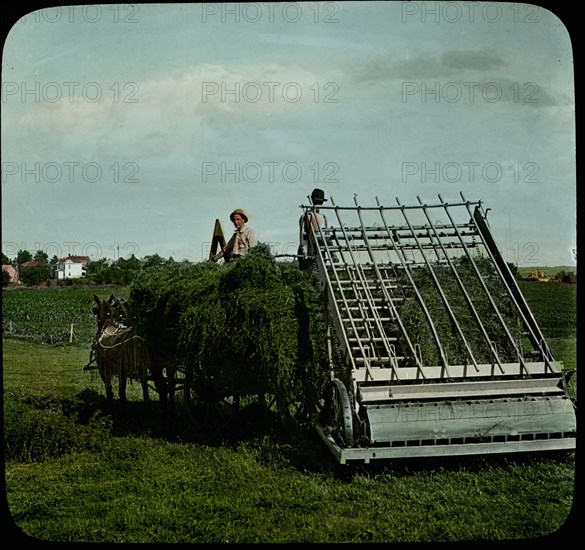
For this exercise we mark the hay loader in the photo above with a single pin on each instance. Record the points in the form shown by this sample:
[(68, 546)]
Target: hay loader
[(433, 349)]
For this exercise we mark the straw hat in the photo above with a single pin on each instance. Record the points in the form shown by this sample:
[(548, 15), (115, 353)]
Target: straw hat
[(241, 213)]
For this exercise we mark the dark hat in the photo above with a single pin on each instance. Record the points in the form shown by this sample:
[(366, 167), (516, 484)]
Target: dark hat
[(318, 196), (241, 213)]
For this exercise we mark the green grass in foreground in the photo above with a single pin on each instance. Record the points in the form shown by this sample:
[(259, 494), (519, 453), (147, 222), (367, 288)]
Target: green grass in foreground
[(156, 491), (78, 472)]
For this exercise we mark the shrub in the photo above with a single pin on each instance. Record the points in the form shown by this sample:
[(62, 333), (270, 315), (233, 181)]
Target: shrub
[(36, 431)]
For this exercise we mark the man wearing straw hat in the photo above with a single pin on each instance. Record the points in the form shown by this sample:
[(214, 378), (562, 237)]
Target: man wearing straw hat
[(242, 240)]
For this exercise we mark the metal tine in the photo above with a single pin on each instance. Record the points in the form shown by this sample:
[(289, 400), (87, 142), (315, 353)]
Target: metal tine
[(488, 294), (404, 263), (502, 279), (435, 248), (385, 293), (383, 288), (389, 300), (520, 303), (367, 290), (439, 288), (537, 337), (376, 315), (363, 313), (362, 280), (338, 282), (461, 285)]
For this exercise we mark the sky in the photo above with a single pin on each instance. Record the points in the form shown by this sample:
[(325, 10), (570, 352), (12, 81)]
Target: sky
[(130, 128)]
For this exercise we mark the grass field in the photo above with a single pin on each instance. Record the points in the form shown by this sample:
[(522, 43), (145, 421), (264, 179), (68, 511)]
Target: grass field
[(77, 471)]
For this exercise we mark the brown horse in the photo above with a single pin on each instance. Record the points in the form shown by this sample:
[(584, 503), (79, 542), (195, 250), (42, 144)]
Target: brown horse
[(120, 352)]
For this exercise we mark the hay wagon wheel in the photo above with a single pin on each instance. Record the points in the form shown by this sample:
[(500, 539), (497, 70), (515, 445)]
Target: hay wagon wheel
[(207, 404)]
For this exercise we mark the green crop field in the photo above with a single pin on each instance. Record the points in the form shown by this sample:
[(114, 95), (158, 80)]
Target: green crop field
[(554, 305), (46, 314)]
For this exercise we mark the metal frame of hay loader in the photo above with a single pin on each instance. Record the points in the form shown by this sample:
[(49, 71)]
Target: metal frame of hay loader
[(392, 394)]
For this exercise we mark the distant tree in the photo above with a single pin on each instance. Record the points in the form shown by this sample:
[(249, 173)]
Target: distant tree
[(97, 270), (41, 256), (118, 276), (23, 256), (102, 261), (54, 260), (34, 275), (155, 259), (5, 259), (132, 263)]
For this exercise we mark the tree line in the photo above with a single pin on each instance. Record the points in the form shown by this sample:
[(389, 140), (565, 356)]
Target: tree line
[(102, 271)]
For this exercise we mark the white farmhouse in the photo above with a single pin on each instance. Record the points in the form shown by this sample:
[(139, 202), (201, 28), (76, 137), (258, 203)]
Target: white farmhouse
[(71, 267)]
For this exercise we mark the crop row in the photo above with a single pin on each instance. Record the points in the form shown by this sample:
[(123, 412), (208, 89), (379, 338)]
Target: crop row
[(48, 314), (553, 305)]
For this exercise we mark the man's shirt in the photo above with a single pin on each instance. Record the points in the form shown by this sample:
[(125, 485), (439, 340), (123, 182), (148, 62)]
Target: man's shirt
[(243, 239)]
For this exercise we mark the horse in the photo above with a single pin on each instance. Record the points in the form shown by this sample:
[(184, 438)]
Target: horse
[(120, 352)]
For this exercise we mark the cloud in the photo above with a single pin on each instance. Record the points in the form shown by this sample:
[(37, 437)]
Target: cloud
[(485, 59), (173, 112), (477, 73), (426, 66)]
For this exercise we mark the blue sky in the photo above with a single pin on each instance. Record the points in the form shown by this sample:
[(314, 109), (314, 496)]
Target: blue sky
[(131, 128)]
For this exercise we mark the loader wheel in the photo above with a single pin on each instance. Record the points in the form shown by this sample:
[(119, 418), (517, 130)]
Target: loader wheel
[(338, 413)]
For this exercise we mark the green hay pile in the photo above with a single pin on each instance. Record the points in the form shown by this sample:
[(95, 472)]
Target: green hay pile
[(418, 328), (247, 327)]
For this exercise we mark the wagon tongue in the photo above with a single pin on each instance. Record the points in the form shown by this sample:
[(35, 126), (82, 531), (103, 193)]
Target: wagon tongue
[(435, 350)]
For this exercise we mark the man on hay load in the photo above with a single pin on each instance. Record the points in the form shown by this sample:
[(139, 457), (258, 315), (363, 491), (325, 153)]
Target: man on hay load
[(242, 240)]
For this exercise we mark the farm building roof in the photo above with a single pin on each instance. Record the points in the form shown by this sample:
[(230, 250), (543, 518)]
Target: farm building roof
[(75, 259), (34, 263)]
